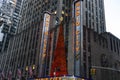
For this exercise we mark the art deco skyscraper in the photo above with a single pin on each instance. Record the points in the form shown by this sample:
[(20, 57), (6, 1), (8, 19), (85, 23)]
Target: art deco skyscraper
[(29, 34), (26, 46)]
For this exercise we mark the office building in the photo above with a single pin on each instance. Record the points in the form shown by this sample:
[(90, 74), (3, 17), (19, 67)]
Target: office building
[(5, 19), (58, 42), (16, 15), (9, 17), (95, 15)]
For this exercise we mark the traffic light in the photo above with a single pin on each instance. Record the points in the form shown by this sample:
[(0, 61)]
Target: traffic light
[(93, 71)]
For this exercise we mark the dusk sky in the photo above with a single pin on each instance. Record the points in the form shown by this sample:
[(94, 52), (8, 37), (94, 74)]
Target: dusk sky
[(112, 10)]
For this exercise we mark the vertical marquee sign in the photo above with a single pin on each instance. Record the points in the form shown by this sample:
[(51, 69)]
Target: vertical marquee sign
[(77, 37), (44, 40)]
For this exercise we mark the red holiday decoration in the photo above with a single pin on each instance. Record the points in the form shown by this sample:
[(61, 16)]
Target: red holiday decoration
[(59, 64)]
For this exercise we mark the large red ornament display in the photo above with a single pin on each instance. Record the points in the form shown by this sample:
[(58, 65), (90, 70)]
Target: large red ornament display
[(59, 64)]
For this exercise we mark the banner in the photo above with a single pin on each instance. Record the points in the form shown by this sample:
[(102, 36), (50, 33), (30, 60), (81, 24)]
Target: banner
[(10, 75), (2, 75), (30, 71), (19, 73)]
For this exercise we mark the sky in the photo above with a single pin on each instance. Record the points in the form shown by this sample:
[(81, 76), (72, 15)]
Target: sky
[(112, 14)]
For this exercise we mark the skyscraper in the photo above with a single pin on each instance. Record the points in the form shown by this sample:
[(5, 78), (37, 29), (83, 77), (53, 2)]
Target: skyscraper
[(37, 41), (94, 15), (16, 14), (9, 17), (6, 12)]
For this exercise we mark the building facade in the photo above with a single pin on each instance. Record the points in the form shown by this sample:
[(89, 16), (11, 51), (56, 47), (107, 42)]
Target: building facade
[(16, 14), (26, 48), (5, 18), (9, 17), (95, 15), (104, 55), (32, 15)]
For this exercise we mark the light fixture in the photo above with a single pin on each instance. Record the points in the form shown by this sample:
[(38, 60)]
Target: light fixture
[(33, 67), (26, 68), (55, 12), (61, 18), (66, 14), (63, 12)]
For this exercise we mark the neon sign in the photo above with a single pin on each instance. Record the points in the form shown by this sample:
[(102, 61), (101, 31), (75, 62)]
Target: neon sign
[(77, 37), (46, 25), (77, 25), (44, 40)]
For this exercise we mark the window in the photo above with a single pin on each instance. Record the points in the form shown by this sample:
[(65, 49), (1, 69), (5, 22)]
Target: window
[(111, 44), (104, 61)]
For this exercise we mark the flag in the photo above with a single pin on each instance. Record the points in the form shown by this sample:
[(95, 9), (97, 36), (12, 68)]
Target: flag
[(19, 73), (10, 75), (30, 71), (2, 75)]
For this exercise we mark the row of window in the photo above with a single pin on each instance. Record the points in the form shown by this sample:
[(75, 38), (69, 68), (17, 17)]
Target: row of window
[(115, 45)]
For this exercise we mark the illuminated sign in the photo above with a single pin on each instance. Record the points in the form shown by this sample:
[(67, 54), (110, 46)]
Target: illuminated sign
[(44, 40), (60, 78), (46, 25), (78, 27), (77, 37)]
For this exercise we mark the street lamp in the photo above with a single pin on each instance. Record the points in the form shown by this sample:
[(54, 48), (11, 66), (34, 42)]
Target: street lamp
[(33, 67), (26, 68)]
